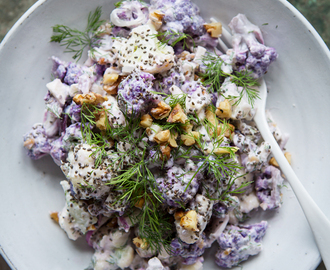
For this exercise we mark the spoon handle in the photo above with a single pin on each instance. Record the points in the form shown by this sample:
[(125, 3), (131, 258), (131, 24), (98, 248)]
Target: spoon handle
[(318, 222)]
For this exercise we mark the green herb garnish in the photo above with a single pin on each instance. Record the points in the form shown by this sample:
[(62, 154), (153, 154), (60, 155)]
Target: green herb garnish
[(75, 40), (214, 76)]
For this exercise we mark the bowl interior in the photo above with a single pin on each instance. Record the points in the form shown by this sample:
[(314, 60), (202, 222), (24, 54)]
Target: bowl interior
[(298, 99)]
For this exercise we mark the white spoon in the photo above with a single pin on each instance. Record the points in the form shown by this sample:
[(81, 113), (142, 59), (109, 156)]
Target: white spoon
[(318, 222)]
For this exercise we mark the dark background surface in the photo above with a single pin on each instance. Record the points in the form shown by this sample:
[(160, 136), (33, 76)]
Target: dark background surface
[(317, 13)]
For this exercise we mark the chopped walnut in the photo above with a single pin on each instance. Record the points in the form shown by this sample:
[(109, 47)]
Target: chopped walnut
[(139, 204), (189, 221), (111, 82), (211, 116), (190, 139), (89, 98), (146, 121), (162, 110), (177, 115), (165, 151), (140, 243), (91, 228), (156, 18), (179, 214), (162, 136), (104, 29), (224, 109), (214, 29), (221, 150), (28, 144), (54, 216), (172, 140), (226, 130), (101, 120), (273, 161)]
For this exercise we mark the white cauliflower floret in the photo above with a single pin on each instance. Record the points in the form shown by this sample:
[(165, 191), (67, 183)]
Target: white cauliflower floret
[(115, 116), (202, 206), (242, 110), (155, 264), (60, 91), (88, 181), (142, 50), (112, 251), (74, 219)]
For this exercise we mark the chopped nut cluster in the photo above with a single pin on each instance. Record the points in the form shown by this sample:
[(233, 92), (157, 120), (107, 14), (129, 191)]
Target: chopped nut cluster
[(156, 18), (140, 243), (89, 98), (111, 82), (177, 115), (189, 221), (224, 109), (161, 111)]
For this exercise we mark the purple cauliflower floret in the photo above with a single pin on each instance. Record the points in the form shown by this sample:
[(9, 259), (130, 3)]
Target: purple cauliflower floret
[(250, 52), (188, 252), (237, 243), (173, 185), (134, 96), (120, 32), (130, 14), (36, 142), (181, 16), (268, 186), (59, 68), (172, 77), (72, 74)]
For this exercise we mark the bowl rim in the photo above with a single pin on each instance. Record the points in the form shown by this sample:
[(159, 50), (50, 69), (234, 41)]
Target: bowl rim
[(295, 12)]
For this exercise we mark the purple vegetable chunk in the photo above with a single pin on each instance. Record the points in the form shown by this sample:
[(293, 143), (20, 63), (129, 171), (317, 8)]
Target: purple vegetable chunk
[(238, 243), (250, 52), (268, 186)]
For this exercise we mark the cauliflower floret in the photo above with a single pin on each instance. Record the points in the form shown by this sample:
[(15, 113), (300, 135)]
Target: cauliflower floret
[(134, 96), (74, 219), (129, 14), (36, 142), (115, 116), (142, 50), (185, 18), (203, 207), (174, 184), (237, 243), (88, 181), (268, 186), (250, 52), (112, 250), (59, 90), (155, 264), (232, 92)]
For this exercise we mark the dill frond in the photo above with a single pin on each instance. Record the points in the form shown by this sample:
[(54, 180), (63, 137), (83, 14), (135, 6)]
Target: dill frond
[(75, 41)]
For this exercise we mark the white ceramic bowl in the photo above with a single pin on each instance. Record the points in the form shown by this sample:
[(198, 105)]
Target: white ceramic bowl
[(299, 100)]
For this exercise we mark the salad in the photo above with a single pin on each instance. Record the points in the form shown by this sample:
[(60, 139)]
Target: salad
[(155, 136)]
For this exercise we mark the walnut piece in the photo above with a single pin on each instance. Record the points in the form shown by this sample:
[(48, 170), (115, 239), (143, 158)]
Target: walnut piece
[(190, 138), (189, 221), (273, 161), (177, 115), (54, 216), (214, 29), (146, 121), (139, 204), (221, 150), (224, 109), (179, 214), (165, 151), (140, 243), (161, 111), (172, 140), (162, 136), (28, 144), (89, 98), (156, 18)]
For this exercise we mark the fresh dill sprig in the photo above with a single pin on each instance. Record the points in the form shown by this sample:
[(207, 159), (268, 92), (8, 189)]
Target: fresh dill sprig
[(75, 41), (138, 185), (213, 77), (172, 38)]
